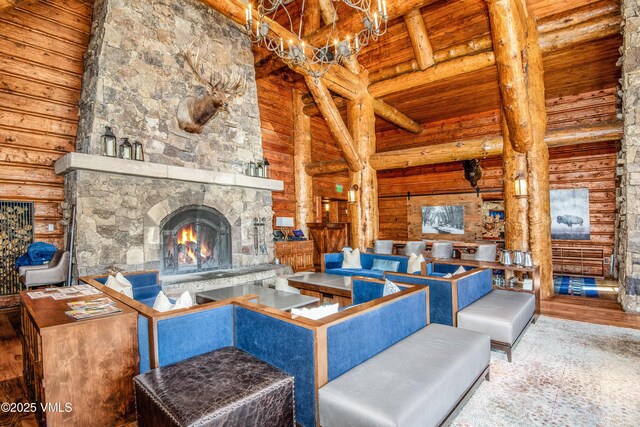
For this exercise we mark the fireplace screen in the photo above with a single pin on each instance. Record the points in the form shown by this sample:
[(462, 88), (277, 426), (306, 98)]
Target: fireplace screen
[(196, 238)]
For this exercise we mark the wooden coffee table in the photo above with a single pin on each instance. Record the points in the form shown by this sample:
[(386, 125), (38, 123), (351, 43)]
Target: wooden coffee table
[(329, 288)]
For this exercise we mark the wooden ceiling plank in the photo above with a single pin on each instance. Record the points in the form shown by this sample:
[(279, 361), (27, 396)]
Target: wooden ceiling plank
[(419, 39)]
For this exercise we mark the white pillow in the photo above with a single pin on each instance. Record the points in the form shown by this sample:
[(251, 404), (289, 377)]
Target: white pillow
[(351, 259), (184, 301), (118, 286), (317, 312), (162, 303), (389, 288), (448, 276), (460, 270), (415, 263)]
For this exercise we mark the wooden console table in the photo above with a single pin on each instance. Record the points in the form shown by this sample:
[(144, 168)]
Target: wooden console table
[(508, 269), (296, 253), (82, 370)]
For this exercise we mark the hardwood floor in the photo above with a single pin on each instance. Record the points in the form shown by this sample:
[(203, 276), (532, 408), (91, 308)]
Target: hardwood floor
[(592, 310), (11, 386)]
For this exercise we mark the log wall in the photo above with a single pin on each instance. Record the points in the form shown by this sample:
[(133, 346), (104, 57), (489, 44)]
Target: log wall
[(591, 166), (276, 120), (41, 65)]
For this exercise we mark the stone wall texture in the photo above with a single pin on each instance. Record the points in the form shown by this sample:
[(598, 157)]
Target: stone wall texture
[(629, 162), (135, 79)]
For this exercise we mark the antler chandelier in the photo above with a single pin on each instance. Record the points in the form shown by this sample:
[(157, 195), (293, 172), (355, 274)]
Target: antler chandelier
[(315, 60)]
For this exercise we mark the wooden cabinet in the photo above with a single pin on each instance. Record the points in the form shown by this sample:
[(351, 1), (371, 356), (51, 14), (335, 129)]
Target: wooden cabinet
[(80, 371), (297, 254)]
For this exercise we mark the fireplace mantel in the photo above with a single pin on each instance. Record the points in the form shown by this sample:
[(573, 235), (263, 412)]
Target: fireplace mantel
[(89, 162)]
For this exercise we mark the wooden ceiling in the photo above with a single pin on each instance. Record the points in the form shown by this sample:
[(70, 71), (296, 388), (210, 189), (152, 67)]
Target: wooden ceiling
[(570, 71)]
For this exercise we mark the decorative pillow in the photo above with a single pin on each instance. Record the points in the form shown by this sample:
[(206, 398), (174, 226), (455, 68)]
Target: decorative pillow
[(390, 288), (124, 286), (317, 312), (162, 303), (448, 276), (415, 263), (351, 259), (184, 301), (460, 270), (385, 265)]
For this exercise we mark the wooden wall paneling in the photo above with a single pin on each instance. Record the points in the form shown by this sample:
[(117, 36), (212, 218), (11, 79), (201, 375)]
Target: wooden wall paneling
[(276, 122), (42, 46), (472, 216)]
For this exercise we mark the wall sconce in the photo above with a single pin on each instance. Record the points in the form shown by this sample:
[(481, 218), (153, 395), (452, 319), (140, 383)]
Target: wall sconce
[(327, 207), (352, 194), (521, 187)]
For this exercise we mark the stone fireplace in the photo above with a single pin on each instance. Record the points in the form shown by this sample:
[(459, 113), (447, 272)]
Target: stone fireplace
[(187, 208), (195, 239)]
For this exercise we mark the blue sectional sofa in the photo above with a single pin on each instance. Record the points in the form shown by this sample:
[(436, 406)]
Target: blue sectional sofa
[(448, 295), (146, 285), (315, 352), (332, 264)]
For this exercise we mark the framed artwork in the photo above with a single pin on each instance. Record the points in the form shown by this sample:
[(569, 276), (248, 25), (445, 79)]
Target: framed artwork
[(570, 214), (443, 219)]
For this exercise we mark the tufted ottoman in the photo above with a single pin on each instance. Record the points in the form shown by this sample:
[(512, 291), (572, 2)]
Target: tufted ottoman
[(226, 387)]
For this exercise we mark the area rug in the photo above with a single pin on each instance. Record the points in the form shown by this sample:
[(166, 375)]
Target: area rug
[(564, 373), (577, 286)]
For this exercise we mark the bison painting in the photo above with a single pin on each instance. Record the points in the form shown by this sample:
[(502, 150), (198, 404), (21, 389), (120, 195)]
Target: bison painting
[(570, 220)]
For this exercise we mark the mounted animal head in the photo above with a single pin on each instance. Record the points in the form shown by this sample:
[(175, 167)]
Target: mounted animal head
[(472, 171), (194, 112)]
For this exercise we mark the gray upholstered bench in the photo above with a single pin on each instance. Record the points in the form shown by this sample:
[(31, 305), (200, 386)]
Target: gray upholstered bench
[(503, 315), (419, 381)]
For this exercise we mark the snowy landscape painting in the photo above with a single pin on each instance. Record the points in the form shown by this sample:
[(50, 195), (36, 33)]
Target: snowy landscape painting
[(443, 219)]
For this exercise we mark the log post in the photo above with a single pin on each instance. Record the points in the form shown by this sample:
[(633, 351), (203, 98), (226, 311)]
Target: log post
[(516, 221), (508, 33), (363, 214), (302, 157), (538, 164)]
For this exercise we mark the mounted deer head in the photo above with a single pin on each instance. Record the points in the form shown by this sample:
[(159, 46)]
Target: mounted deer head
[(193, 113)]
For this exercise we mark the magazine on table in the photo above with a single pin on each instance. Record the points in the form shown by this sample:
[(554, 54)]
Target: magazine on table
[(92, 308), (64, 292)]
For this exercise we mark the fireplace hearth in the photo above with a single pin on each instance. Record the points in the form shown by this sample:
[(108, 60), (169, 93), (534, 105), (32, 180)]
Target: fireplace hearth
[(195, 239)]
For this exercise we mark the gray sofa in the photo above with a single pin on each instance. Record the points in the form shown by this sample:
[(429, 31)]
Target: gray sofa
[(419, 381), (503, 315)]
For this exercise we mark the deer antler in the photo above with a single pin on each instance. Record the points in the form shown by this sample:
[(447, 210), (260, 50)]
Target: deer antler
[(195, 67)]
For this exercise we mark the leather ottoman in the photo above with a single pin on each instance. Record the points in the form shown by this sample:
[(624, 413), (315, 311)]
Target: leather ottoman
[(226, 387)]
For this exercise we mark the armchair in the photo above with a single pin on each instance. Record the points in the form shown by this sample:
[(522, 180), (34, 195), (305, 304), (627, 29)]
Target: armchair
[(52, 273)]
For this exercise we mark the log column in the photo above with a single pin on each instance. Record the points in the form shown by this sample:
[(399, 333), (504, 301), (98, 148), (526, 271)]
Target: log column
[(516, 222), (363, 214), (521, 80), (538, 165), (302, 157)]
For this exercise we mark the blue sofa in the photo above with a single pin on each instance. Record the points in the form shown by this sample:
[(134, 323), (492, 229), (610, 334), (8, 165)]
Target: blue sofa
[(448, 295), (146, 285), (332, 264)]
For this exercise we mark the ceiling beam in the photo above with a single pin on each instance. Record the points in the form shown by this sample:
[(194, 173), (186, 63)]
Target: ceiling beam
[(467, 149), (563, 36), (419, 39), (335, 123), (395, 117), (480, 148)]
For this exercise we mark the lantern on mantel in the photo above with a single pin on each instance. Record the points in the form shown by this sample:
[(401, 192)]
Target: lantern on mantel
[(266, 168), (126, 149), (109, 144), (138, 153)]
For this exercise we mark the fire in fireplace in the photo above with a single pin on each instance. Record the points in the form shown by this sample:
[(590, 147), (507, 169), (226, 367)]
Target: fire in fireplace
[(195, 238)]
